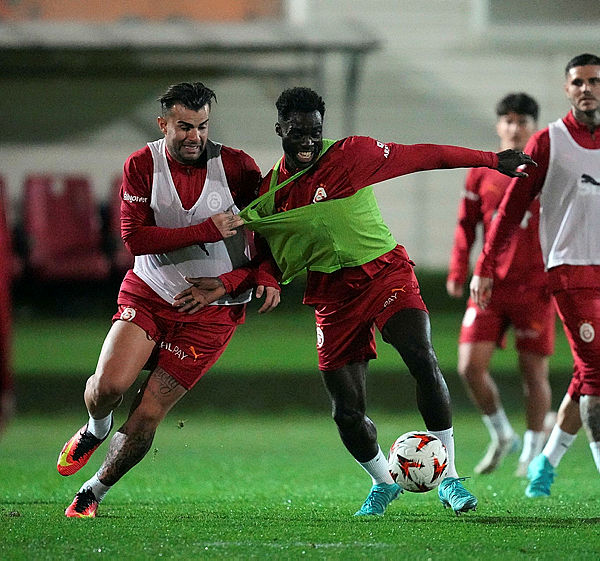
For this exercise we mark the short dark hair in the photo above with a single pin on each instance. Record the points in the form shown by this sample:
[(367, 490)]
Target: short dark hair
[(585, 59), (299, 99), (193, 95), (519, 103)]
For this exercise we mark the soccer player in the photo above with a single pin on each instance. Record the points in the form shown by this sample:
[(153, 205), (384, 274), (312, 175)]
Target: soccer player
[(318, 211), (179, 198), (521, 299), (567, 183)]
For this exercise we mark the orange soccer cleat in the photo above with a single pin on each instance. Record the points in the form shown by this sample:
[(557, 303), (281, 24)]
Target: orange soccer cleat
[(84, 505), (78, 450)]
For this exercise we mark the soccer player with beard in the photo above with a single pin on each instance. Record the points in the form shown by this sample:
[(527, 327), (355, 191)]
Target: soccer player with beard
[(521, 299), (567, 183), (318, 212), (179, 196)]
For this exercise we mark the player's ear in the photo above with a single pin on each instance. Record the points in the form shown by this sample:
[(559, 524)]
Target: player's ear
[(278, 129), (162, 124)]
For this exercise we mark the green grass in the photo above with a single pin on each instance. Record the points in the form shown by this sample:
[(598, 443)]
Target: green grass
[(283, 341), (240, 486)]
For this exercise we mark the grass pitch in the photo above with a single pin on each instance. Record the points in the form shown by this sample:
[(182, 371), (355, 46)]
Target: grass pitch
[(241, 486)]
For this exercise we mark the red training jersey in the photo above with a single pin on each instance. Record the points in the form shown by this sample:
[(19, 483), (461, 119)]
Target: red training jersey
[(349, 165), (521, 262), (138, 228)]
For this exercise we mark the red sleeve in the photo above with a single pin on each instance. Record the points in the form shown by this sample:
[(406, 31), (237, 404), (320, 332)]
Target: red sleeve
[(519, 195), (243, 175), (469, 216), (262, 270), (370, 161), (138, 229)]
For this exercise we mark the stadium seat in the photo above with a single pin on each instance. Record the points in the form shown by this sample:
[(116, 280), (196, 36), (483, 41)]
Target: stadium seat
[(61, 226), (121, 258)]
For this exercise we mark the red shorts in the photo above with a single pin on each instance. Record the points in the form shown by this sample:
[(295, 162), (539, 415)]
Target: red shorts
[(529, 310), (346, 329), (186, 350), (579, 310)]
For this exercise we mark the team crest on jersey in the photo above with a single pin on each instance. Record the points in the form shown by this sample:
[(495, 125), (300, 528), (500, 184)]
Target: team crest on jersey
[(320, 194), (127, 314), (214, 201), (320, 337), (587, 332)]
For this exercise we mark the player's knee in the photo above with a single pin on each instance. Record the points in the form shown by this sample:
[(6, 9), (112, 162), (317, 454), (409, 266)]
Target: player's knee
[(470, 372), (347, 418), (420, 359), (102, 388)]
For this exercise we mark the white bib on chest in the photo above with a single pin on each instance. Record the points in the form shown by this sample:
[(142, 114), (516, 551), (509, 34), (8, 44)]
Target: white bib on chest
[(165, 272), (570, 202)]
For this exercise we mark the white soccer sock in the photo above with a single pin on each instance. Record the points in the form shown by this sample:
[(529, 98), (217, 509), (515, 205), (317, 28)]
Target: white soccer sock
[(447, 438), (100, 427), (533, 442), (595, 448), (98, 488), (558, 443), (498, 425), (377, 468)]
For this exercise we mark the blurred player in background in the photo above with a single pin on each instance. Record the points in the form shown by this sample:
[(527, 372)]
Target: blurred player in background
[(521, 299), (567, 183), (179, 195), (7, 262), (318, 211)]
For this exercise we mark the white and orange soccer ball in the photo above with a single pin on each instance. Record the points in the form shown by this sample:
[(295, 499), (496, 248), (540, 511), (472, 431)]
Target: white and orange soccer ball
[(418, 461)]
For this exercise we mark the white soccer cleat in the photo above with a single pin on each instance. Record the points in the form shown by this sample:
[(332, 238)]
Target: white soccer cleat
[(496, 452)]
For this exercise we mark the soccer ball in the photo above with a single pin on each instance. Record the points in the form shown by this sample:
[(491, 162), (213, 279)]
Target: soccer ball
[(418, 461)]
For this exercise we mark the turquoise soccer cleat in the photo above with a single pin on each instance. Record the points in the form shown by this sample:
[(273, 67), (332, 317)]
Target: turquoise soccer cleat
[(380, 496), (541, 475), (452, 494)]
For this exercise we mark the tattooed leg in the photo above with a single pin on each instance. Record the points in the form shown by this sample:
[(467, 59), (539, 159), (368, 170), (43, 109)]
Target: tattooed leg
[(133, 440)]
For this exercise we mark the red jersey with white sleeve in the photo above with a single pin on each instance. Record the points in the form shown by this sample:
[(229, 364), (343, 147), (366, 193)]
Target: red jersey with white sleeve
[(521, 261), (349, 165), (138, 228)]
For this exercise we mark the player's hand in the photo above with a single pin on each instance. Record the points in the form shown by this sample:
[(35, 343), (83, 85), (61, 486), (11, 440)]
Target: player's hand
[(454, 289), (510, 160), (227, 222), (481, 290), (272, 298), (204, 291)]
